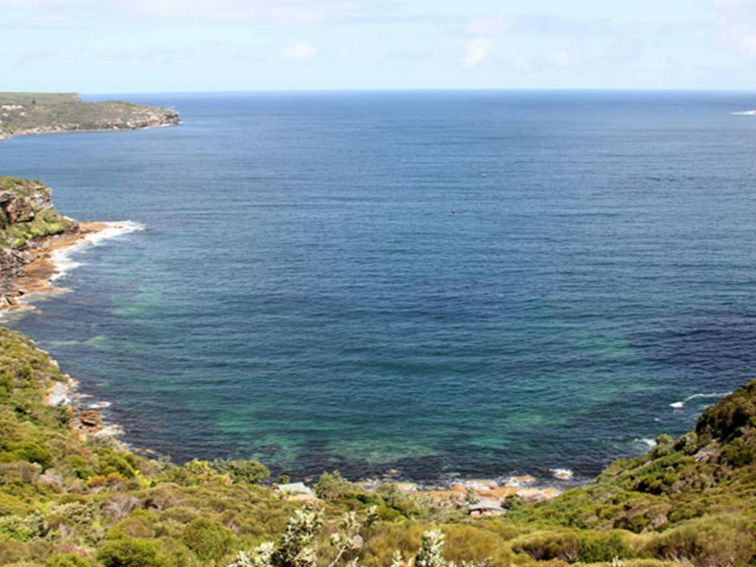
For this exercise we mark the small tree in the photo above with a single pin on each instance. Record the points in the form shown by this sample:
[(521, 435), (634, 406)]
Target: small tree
[(332, 486)]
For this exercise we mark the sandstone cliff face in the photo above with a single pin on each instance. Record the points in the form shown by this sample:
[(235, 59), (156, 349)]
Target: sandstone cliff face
[(27, 219), (21, 200), (12, 264)]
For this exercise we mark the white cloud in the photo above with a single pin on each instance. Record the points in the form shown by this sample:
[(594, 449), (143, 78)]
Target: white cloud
[(737, 24), (563, 59), (477, 51), (15, 4), (277, 11), (302, 51), (748, 44), (490, 25), (727, 4)]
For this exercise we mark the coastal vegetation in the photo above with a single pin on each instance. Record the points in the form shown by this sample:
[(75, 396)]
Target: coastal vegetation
[(41, 113), (72, 497)]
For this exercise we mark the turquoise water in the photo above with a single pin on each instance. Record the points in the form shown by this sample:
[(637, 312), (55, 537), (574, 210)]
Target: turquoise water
[(440, 283)]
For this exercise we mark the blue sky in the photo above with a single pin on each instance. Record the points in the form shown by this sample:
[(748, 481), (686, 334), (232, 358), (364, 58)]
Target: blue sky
[(107, 46)]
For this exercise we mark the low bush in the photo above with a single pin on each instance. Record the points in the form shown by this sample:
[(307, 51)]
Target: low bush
[(132, 552), (68, 560), (573, 546), (243, 471), (545, 546), (33, 453), (209, 540), (724, 541)]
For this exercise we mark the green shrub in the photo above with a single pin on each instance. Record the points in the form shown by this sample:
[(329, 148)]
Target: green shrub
[(723, 541), (193, 473), (208, 539), (603, 547), (72, 513), (472, 544), (11, 505), (68, 560), (33, 453), (687, 443), (379, 548), (244, 471), (132, 552), (544, 546), (587, 546), (728, 418), (332, 486), (740, 452), (514, 502), (661, 476), (111, 461), (138, 524), (23, 528), (79, 466)]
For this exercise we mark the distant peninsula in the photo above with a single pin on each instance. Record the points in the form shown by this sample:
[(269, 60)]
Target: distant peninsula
[(24, 114)]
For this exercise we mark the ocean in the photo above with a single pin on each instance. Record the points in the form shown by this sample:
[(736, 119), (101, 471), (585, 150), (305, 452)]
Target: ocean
[(441, 284)]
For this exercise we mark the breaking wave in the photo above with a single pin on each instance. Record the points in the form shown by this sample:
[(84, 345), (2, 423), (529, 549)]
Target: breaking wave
[(63, 259), (680, 405)]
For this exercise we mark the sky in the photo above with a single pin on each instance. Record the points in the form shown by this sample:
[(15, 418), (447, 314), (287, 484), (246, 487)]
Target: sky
[(115, 46)]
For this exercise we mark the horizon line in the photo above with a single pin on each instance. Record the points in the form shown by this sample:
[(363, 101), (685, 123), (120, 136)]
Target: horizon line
[(407, 90)]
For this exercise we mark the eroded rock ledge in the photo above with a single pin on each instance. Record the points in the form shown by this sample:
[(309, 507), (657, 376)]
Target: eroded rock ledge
[(28, 222)]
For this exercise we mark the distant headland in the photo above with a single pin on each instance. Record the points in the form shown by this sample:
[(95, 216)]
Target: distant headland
[(24, 114)]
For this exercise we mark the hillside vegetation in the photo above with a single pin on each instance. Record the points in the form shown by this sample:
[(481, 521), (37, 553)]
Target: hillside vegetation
[(43, 113), (69, 498)]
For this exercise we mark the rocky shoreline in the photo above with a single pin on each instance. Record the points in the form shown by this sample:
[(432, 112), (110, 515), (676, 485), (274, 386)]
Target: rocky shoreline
[(30, 268), (87, 419)]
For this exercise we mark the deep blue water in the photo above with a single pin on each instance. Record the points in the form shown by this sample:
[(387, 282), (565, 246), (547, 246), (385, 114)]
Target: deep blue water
[(441, 283)]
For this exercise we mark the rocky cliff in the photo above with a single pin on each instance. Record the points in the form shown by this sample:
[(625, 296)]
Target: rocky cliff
[(27, 219)]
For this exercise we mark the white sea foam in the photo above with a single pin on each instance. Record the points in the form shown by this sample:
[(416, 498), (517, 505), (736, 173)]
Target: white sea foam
[(63, 259), (519, 481), (680, 405), (562, 474), (648, 442), (744, 113)]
